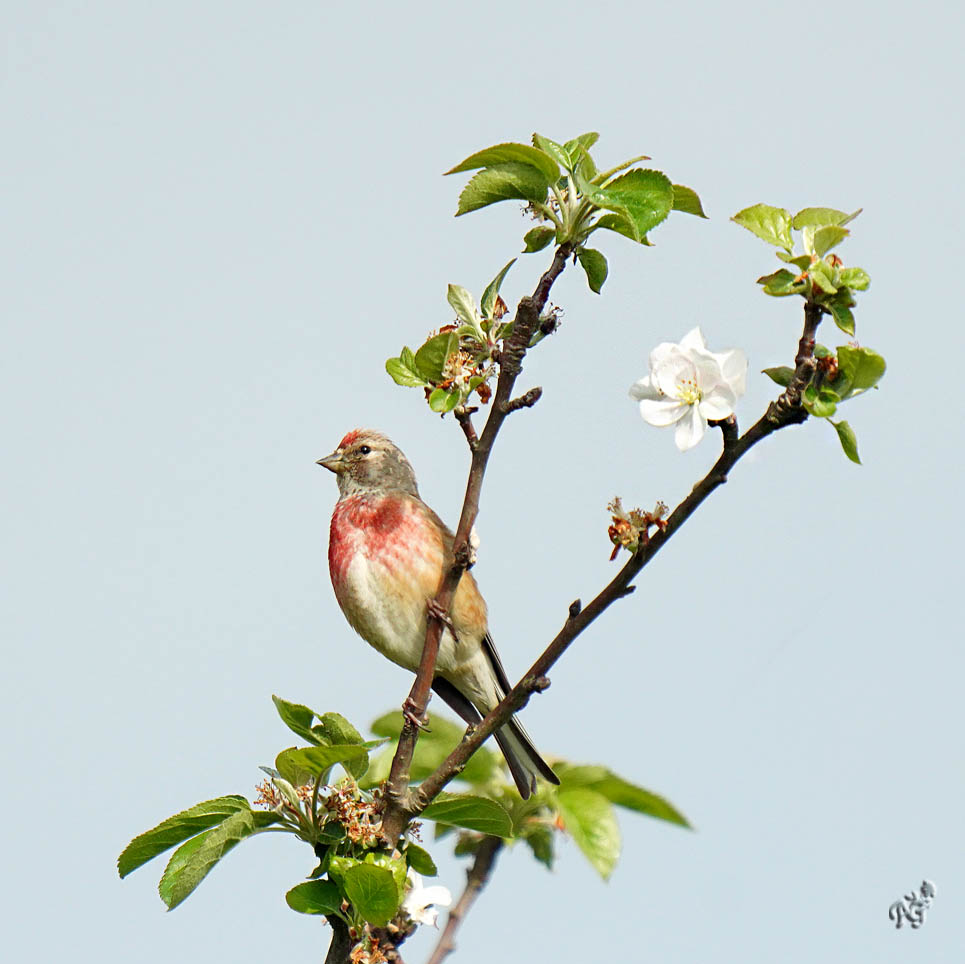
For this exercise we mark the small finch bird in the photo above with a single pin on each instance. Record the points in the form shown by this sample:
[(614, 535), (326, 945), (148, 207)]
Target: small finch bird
[(386, 552)]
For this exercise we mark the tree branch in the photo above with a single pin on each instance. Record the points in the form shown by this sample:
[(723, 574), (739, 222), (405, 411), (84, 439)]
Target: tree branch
[(476, 879), (784, 411), (399, 799)]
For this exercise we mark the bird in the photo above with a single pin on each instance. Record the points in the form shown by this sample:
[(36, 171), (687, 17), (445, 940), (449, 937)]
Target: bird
[(386, 554)]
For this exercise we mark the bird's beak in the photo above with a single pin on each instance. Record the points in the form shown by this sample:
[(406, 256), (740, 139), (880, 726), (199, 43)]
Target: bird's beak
[(332, 462)]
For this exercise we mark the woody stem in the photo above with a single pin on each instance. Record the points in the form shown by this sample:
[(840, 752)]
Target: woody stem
[(399, 803)]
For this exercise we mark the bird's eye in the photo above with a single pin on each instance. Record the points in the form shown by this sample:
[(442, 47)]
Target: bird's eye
[(364, 450)]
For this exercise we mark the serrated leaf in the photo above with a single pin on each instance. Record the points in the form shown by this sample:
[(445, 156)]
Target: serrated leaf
[(471, 812), (373, 892), (645, 197), (770, 224), (420, 860), (488, 301), (315, 897), (439, 399), (620, 792), (511, 153), (821, 217), (401, 374), (336, 729), (176, 829), (842, 316), (538, 238), (855, 278), (779, 283), (193, 861), (595, 266), (686, 201), (782, 375), (827, 238), (504, 182), (862, 367), (821, 406), (802, 262), (556, 151), (848, 440), (589, 819), (621, 225), (431, 358)]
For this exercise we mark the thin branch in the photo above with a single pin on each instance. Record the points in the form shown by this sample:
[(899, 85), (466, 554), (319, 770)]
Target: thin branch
[(784, 411), (400, 801), (476, 879)]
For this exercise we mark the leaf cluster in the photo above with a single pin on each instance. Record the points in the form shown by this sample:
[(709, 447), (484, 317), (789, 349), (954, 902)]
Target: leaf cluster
[(571, 198), (818, 276), (356, 877)]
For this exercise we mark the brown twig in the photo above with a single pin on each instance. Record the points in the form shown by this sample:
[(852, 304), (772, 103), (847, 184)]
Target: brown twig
[(400, 800), (476, 879), (784, 411)]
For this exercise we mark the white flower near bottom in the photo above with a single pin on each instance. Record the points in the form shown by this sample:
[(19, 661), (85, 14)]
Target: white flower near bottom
[(420, 902), (689, 386)]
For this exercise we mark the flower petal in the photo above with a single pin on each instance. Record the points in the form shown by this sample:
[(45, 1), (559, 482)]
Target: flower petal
[(690, 430), (663, 411), (674, 369), (733, 366), (694, 339), (643, 389), (719, 403)]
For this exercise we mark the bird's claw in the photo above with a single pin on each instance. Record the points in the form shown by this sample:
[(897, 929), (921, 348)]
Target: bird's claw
[(410, 713), (437, 612)]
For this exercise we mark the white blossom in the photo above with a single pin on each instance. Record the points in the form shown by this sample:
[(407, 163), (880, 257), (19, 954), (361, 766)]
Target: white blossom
[(420, 902), (689, 385)]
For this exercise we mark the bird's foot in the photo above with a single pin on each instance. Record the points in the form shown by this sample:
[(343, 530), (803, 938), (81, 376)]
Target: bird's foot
[(410, 713), (437, 612)]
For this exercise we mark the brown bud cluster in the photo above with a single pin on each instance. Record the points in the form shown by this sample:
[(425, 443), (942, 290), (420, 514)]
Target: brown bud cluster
[(361, 818), (632, 529)]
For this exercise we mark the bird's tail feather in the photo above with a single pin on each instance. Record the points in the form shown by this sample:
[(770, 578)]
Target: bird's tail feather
[(522, 757)]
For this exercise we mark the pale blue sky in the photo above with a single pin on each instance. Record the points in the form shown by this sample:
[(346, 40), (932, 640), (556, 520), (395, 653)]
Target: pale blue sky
[(221, 218)]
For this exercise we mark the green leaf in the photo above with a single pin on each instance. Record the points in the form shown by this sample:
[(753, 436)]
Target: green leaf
[(827, 238), (538, 238), (504, 182), (554, 150), (463, 304), (403, 371), (315, 897), (821, 217), (295, 716), (620, 791), (431, 358), (318, 760), (395, 865), (488, 301), (442, 400), (848, 440), (821, 406), (539, 837), (820, 274), (373, 892), (175, 829), (193, 861), (782, 375), (595, 266), (586, 141), (645, 197), (334, 728), (855, 278), (420, 860), (621, 224), (686, 201), (801, 262), (471, 812), (589, 819), (842, 315), (779, 283), (518, 154), (771, 224), (862, 367)]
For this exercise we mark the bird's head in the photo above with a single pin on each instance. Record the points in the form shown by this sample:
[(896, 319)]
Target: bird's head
[(367, 461)]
